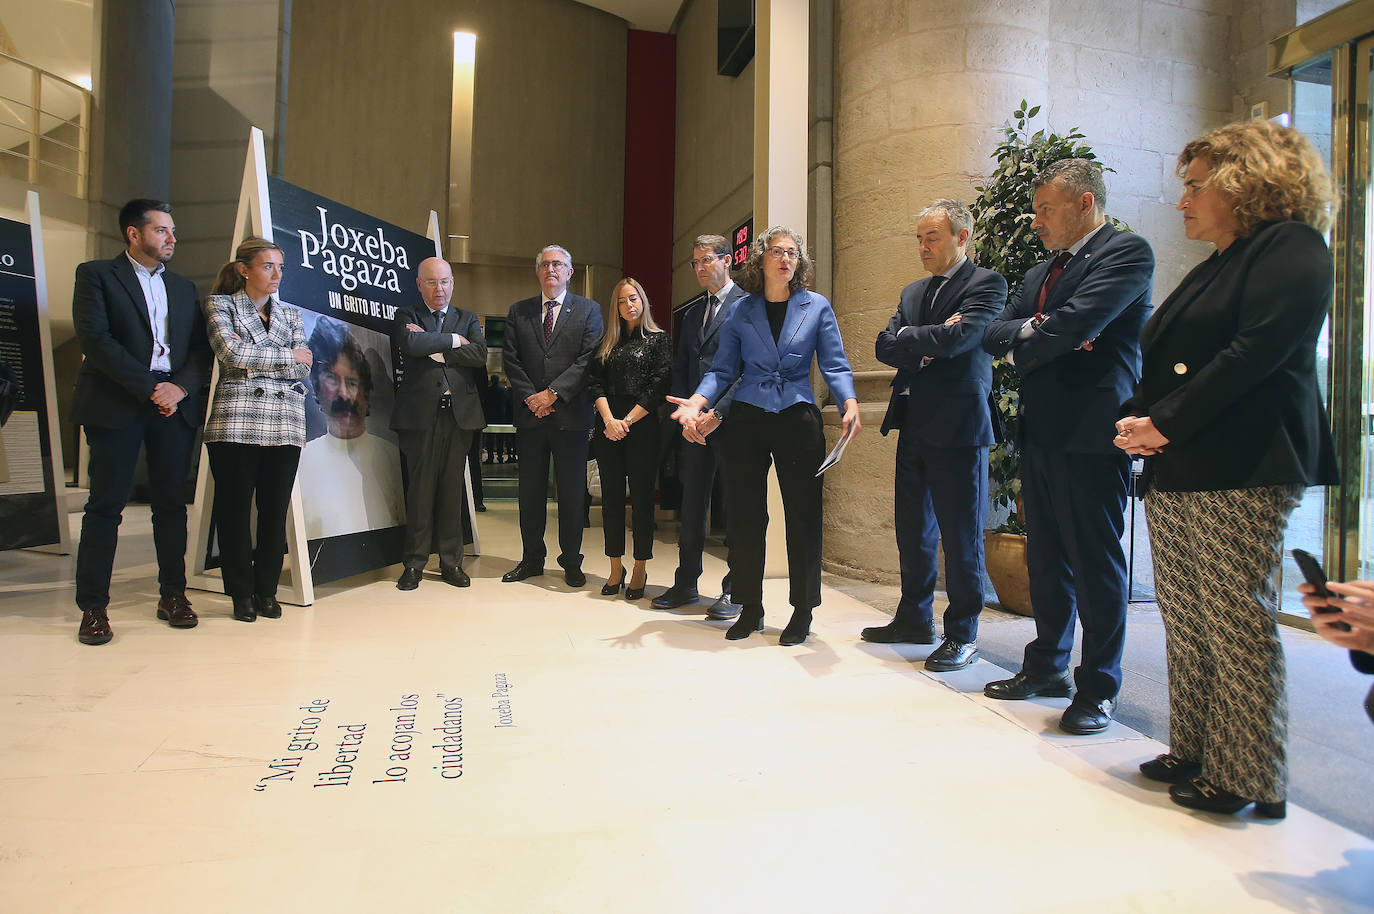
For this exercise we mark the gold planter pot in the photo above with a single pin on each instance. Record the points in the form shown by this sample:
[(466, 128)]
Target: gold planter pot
[(1006, 560)]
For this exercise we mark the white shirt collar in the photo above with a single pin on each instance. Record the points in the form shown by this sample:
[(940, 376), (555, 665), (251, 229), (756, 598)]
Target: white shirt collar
[(1077, 246)]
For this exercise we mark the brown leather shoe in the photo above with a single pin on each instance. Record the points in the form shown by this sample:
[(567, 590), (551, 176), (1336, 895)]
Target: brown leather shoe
[(95, 627), (176, 611)]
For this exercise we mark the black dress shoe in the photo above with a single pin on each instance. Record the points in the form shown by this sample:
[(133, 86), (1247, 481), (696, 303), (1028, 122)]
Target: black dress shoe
[(267, 607), (1198, 793), (1084, 716), (892, 633), (723, 608), (455, 576), (243, 609), (409, 579), (481, 507), (1023, 685), (798, 627), (1170, 769), (674, 597), (750, 620), (95, 627), (574, 577), (951, 655), (521, 571)]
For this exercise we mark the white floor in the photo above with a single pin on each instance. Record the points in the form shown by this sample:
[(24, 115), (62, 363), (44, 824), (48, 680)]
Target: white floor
[(613, 759)]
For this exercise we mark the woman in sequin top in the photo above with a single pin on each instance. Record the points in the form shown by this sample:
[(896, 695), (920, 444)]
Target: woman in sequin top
[(629, 379)]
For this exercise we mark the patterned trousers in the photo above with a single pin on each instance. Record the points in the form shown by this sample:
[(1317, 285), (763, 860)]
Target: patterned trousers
[(1216, 558)]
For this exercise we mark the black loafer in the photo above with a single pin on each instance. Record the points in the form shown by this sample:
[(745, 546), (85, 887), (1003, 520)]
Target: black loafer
[(1085, 717), (522, 571), (951, 655), (455, 576), (267, 607), (1022, 685), (723, 609), (674, 597), (1170, 769), (1198, 793), (892, 633), (409, 579)]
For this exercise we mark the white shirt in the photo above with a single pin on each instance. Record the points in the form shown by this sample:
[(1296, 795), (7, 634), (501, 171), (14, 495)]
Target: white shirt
[(155, 298), (350, 485)]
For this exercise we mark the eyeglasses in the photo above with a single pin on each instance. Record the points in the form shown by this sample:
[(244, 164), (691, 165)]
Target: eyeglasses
[(781, 253), (437, 283), (706, 260), (553, 265)]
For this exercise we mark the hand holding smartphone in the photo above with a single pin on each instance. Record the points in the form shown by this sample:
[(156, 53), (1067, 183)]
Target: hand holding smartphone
[(1312, 570)]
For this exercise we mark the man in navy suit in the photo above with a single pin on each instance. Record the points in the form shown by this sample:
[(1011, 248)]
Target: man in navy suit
[(437, 413), (548, 347), (700, 335), (1073, 335), (940, 404), (146, 359)]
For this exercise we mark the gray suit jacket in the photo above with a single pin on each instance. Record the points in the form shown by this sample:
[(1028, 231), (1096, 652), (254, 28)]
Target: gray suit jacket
[(423, 380), (533, 365)]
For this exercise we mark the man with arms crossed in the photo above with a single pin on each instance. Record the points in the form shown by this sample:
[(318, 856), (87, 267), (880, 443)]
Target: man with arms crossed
[(940, 404), (146, 359), (549, 343), (700, 461), (1073, 335)]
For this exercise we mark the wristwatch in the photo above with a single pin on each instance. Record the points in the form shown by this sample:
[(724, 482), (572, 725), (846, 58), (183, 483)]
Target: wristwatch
[(717, 414)]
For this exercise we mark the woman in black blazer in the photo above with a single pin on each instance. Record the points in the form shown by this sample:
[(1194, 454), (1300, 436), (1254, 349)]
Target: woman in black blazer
[(629, 379), (257, 421), (1233, 428)]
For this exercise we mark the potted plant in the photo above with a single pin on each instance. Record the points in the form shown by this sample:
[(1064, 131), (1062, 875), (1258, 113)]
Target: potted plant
[(1004, 242)]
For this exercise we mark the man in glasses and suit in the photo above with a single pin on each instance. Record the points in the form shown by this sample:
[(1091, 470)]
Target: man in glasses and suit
[(699, 463), (436, 414), (940, 404), (549, 343), (1073, 335)]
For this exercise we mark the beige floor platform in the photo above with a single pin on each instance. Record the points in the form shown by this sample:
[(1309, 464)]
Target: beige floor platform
[(528, 748)]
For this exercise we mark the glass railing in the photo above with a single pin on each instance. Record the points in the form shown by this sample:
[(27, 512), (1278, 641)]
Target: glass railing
[(44, 128)]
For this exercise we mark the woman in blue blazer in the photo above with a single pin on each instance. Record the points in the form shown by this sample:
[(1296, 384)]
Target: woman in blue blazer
[(257, 421), (768, 344), (1230, 420)]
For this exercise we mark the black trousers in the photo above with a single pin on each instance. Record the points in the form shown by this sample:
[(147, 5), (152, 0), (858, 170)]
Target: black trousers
[(794, 443), (634, 457), (568, 450), (697, 468), (475, 466), (114, 455), (243, 471), (435, 496)]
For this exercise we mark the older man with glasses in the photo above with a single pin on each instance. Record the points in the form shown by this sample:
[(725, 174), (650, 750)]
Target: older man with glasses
[(549, 343)]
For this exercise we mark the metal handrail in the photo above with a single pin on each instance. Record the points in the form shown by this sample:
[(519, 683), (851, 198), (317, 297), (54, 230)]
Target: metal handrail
[(37, 138)]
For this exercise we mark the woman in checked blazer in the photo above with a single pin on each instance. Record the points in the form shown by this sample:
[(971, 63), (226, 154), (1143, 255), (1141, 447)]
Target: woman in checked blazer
[(257, 421)]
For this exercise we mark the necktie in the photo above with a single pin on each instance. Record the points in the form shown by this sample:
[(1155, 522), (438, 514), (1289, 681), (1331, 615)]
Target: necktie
[(1056, 268), (548, 321), (438, 317), (928, 299), (712, 303)]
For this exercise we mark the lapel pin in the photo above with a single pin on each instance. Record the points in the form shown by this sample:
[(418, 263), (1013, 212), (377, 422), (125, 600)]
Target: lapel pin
[(1180, 368)]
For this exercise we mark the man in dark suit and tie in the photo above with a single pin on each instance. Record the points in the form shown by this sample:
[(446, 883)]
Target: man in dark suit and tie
[(146, 359), (549, 343), (940, 404), (436, 414), (700, 335), (1073, 335)]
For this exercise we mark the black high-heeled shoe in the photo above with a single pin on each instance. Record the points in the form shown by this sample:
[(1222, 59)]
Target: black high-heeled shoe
[(750, 620), (1199, 794), (634, 593), (797, 628), (609, 590)]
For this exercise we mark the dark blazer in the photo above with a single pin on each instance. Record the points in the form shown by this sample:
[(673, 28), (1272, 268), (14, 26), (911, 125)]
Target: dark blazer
[(424, 380), (697, 348), (562, 364), (1230, 367), (111, 319), (946, 400), (1071, 397), (775, 375)]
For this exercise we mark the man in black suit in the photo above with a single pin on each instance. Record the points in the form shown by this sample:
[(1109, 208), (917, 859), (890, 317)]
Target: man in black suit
[(940, 404), (548, 346), (436, 414), (146, 359), (700, 335), (1073, 335)]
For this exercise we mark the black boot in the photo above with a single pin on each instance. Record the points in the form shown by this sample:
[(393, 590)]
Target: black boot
[(244, 610), (797, 629), (750, 620)]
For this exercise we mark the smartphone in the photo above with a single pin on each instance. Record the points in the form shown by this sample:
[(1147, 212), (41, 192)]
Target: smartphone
[(1312, 570)]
